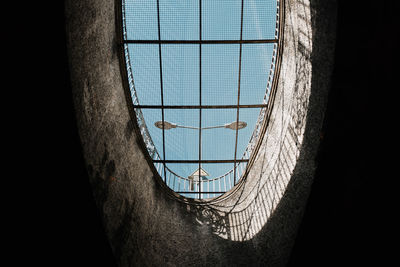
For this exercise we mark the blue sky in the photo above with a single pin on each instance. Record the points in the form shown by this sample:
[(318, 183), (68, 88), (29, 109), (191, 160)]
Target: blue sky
[(179, 20)]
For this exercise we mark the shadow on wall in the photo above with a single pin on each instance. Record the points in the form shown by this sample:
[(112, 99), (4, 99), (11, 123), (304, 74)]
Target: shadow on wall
[(282, 185)]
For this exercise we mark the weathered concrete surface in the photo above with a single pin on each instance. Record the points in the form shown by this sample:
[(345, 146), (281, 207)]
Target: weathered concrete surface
[(254, 226)]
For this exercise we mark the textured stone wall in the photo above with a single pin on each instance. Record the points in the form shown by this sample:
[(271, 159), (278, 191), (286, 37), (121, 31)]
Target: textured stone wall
[(256, 225)]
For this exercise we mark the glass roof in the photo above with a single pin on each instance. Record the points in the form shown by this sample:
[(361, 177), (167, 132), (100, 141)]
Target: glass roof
[(200, 65)]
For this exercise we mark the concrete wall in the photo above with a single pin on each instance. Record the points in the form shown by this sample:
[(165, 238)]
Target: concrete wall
[(256, 225)]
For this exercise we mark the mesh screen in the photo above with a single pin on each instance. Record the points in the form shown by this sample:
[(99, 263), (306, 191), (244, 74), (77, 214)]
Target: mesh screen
[(184, 171), (250, 116), (259, 19), (182, 143), (179, 82), (179, 19), (217, 169), (146, 72), (256, 63), (141, 19), (221, 20), (218, 143), (220, 73), (180, 64)]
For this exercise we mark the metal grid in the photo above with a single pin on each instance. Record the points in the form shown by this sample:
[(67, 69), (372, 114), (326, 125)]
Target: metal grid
[(218, 185)]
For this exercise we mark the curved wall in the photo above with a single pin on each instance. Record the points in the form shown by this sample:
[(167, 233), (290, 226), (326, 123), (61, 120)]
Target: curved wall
[(257, 223)]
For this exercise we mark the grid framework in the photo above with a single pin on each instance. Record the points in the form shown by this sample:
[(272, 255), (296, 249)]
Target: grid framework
[(161, 161)]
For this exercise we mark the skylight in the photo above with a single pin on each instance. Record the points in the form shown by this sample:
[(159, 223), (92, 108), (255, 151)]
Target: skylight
[(200, 73)]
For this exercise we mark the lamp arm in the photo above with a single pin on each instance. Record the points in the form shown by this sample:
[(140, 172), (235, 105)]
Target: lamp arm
[(213, 127), (197, 128), (188, 127)]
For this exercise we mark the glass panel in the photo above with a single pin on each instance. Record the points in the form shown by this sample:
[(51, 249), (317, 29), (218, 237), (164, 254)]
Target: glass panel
[(223, 180), (221, 20), (179, 20), (218, 143), (250, 116), (145, 66), (259, 19), (182, 143), (217, 170), (256, 64), (141, 19), (220, 178), (220, 70), (177, 177), (180, 74)]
